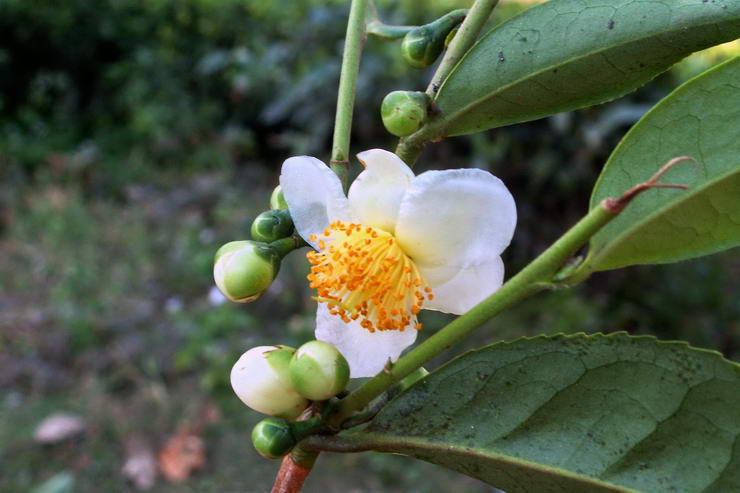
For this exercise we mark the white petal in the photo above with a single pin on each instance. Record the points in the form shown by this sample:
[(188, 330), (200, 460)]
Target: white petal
[(314, 195), (375, 196), (464, 287), (367, 352), (456, 217)]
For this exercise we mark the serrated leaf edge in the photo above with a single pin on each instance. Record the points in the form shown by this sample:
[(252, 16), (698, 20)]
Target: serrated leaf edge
[(367, 440), (591, 336)]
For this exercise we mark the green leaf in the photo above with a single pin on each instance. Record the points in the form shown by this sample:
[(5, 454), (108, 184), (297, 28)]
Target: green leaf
[(567, 54), (573, 414), (700, 119)]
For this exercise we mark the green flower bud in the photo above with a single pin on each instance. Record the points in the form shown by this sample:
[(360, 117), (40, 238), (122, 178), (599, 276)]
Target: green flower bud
[(277, 199), (404, 112), (261, 380), (423, 45), (272, 438), (243, 270), (272, 226), (318, 371)]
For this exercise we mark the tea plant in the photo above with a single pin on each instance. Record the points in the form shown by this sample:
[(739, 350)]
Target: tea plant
[(549, 413)]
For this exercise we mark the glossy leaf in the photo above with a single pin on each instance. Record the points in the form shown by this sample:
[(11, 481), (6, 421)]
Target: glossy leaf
[(700, 119), (573, 414), (568, 54)]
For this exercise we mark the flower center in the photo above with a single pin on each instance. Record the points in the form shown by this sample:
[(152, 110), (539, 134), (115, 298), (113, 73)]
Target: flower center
[(362, 273)]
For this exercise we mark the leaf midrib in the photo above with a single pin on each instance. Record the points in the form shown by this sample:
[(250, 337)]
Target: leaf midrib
[(381, 443), (391, 442), (491, 445)]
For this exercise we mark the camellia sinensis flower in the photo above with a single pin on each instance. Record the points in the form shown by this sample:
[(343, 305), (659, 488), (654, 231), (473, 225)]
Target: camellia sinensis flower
[(396, 244)]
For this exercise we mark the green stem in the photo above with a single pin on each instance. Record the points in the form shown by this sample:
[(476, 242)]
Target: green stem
[(296, 467), (284, 246), (388, 32), (347, 81), (409, 148), (466, 36), (530, 280), (304, 458), (378, 28)]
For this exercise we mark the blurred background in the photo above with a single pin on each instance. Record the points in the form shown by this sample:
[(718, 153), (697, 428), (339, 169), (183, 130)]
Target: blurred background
[(137, 137)]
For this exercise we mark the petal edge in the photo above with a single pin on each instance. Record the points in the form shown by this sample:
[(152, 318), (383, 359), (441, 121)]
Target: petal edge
[(367, 353), (375, 196), (465, 288), (314, 195), (458, 218)]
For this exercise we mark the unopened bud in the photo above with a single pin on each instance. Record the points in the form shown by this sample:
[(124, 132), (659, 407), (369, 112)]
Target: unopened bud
[(272, 438), (272, 226), (243, 270), (318, 371), (260, 378), (277, 199), (404, 112), (423, 45)]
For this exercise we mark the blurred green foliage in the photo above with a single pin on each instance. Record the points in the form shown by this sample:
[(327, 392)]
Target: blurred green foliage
[(137, 137), (172, 82), (121, 87)]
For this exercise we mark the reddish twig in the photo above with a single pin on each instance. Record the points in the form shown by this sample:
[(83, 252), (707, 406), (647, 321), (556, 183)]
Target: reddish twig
[(291, 476), (617, 205)]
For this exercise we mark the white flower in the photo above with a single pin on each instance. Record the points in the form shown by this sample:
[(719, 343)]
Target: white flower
[(397, 243)]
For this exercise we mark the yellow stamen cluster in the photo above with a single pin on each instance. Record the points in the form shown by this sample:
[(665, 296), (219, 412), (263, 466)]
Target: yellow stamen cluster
[(362, 273)]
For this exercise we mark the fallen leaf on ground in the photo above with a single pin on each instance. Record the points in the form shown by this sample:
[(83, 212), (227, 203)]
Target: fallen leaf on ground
[(183, 453), (210, 415), (141, 464), (58, 427), (63, 482)]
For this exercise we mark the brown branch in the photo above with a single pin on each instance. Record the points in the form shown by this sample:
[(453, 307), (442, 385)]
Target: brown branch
[(291, 476)]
